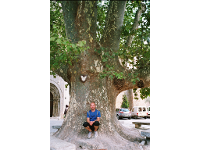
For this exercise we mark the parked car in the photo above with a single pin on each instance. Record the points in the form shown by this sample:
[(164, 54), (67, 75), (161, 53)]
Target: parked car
[(123, 113), (139, 111)]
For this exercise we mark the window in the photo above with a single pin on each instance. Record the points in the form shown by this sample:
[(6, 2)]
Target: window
[(144, 108), (125, 110), (133, 110), (140, 109)]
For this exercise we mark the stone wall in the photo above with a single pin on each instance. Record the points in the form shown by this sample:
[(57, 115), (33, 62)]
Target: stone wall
[(139, 102), (61, 98)]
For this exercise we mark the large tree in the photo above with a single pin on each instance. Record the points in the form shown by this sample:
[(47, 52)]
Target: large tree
[(91, 44)]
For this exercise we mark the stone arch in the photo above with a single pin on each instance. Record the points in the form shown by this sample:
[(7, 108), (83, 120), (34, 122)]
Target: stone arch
[(56, 100)]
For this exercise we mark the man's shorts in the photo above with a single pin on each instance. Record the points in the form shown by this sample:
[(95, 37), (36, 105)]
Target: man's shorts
[(96, 123)]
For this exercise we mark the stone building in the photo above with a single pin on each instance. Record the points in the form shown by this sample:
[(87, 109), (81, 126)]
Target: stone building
[(139, 102), (59, 96)]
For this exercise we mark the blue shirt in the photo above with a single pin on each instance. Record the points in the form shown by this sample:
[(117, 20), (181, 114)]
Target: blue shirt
[(93, 115)]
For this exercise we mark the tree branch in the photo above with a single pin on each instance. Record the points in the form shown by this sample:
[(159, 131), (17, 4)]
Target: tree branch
[(136, 23), (80, 20), (113, 24), (69, 12), (126, 84)]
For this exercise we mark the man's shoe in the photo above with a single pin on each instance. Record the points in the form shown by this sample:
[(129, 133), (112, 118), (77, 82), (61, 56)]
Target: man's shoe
[(89, 135), (95, 134)]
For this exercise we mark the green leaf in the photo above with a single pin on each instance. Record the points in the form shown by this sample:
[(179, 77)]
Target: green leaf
[(73, 45), (52, 38), (80, 43), (69, 62), (137, 79), (111, 76), (106, 53), (58, 41), (133, 81), (104, 60), (107, 65)]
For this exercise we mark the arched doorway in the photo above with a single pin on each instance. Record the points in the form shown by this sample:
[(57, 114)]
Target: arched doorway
[(54, 101), (51, 104)]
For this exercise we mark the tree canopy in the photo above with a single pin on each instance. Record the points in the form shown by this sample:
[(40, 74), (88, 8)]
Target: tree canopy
[(134, 47)]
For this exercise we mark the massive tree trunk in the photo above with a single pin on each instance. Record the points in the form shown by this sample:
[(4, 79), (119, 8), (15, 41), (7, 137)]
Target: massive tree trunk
[(111, 132), (80, 18)]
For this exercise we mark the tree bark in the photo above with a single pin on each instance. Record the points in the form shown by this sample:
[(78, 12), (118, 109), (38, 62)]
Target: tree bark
[(138, 14), (103, 93), (113, 26), (112, 135), (129, 94)]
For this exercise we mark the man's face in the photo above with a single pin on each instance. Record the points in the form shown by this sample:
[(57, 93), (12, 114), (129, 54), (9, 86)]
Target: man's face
[(92, 106)]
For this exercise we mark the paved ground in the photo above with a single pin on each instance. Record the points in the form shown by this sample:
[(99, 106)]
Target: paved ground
[(54, 122), (146, 128), (57, 144), (128, 123)]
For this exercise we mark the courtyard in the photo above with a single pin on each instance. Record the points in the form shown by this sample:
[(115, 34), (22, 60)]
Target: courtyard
[(125, 122)]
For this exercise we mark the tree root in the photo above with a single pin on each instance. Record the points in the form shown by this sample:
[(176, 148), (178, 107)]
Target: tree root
[(115, 142), (129, 134), (115, 137), (109, 141)]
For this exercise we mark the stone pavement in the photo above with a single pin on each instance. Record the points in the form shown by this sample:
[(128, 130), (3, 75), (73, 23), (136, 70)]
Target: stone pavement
[(55, 122), (144, 128), (58, 144), (55, 143), (128, 123)]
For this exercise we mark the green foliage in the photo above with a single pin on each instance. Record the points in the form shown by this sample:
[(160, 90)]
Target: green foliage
[(138, 54), (66, 85), (62, 51), (135, 94), (144, 93), (101, 16), (125, 103)]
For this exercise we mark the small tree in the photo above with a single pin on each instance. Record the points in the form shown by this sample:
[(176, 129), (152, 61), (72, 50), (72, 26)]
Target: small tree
[(125, 103)]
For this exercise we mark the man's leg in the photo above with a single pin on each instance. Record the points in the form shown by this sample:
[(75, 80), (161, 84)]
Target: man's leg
[(96, 126), (87, 126)]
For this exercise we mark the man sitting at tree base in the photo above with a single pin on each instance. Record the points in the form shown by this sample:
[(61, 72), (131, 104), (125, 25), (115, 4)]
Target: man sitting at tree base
[(93, 118)]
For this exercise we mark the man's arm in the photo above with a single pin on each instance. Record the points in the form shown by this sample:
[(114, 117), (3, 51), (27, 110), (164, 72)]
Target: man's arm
[(91, 122), (88, 120), (98, 116), (98, 119)]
